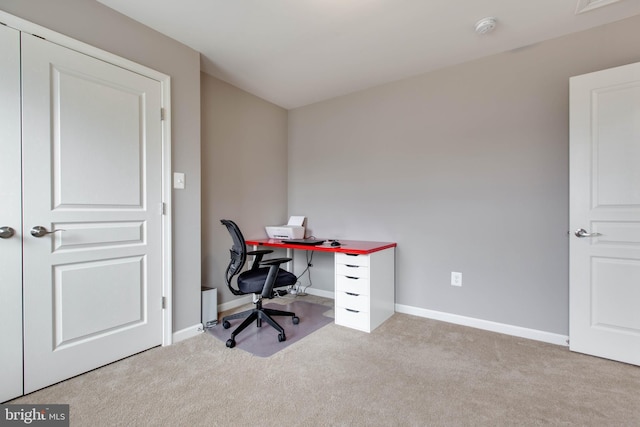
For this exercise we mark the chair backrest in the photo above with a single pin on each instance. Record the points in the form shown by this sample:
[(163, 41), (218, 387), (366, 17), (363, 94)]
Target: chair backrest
[(238, 253)]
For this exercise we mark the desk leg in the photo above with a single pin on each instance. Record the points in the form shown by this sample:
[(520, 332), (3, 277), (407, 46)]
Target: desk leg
[(289, 266), (253, 258)]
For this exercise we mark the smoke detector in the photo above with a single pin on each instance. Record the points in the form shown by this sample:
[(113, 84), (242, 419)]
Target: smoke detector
[(486, 25)]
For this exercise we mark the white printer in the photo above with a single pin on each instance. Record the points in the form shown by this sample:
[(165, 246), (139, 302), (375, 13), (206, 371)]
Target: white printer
[(294, 229)]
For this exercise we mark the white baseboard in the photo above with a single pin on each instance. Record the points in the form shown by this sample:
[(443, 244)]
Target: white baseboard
[(487, 325), (320, 293), (186, 333), (198, 328), (235, 303), (502, 328)]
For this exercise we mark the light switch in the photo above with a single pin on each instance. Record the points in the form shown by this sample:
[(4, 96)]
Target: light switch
[(178, 180)]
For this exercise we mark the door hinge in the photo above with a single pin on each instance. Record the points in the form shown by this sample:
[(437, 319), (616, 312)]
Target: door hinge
[(164, 303), (162, 114), (163, 208)]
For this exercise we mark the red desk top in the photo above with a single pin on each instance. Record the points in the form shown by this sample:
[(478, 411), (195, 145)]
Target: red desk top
[(347, 246)]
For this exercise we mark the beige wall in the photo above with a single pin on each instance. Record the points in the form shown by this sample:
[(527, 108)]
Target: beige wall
[(244, 171), (466, 168), (97, 25)]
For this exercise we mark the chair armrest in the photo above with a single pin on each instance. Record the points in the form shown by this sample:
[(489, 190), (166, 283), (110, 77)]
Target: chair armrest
[(275, 261), (260, 252), (258, 257)]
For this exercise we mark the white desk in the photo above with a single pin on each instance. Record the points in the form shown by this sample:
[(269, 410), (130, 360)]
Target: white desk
[(364, 279)]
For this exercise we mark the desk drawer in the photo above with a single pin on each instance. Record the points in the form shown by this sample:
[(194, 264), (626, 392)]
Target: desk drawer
[(353, 319), (352, 301), (352, 270), (361, 260), (354, 285)]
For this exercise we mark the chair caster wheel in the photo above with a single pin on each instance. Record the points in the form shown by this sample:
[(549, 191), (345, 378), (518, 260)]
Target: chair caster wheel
[(281, 337), (226, 324), (231, 343), (295, 320)]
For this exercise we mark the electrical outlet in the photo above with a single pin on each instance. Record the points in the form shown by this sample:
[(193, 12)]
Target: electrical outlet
[(456, 278)]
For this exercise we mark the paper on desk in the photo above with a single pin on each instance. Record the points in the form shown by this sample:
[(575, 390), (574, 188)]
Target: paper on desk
[(296, 220)]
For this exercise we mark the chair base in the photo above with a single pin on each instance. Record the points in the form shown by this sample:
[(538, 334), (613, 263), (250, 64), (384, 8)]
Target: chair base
[(258, 314)]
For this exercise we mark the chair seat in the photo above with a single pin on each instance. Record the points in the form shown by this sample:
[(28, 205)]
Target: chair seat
[(252, 281)]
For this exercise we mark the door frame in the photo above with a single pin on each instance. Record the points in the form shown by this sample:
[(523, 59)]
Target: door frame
[(166, 208)]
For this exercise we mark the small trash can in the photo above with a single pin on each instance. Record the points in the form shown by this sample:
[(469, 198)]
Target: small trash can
[(209, 306)]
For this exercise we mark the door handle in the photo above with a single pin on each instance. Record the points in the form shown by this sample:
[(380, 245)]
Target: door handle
[(6, 232), (581, 232), (40, 231)]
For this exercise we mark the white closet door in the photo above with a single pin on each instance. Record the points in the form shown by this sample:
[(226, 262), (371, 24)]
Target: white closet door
[(605, 204), (10, 216), (92, 155)]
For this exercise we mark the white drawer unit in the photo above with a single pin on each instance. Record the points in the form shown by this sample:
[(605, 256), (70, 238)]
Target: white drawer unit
[(364, 289)]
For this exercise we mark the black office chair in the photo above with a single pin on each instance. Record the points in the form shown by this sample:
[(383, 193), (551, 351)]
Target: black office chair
[(260, 280)]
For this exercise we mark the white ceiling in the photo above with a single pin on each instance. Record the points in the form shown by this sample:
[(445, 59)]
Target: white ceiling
[(297, 52)]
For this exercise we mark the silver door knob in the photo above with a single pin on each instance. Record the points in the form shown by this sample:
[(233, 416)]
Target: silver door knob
[(581, 232), (40, 231), (6, 232)]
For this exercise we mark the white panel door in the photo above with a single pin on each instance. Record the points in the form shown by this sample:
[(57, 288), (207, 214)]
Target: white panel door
[(605, 205), (92, 166), (10, 217)]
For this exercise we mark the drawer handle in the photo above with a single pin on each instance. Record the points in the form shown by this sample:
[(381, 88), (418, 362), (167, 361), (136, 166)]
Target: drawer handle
[(352, 294), (352, 277), (352, 310), (351, 266), (351, 254)]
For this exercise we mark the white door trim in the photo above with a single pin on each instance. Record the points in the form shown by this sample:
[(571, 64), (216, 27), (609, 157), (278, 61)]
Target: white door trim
[(11, 352), (165, 82)]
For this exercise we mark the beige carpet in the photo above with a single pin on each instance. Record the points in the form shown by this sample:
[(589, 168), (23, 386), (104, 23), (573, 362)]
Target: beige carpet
[(409, 372)]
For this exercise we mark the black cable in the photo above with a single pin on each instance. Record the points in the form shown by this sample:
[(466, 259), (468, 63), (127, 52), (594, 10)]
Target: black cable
[(306, 270), (309, 264)]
